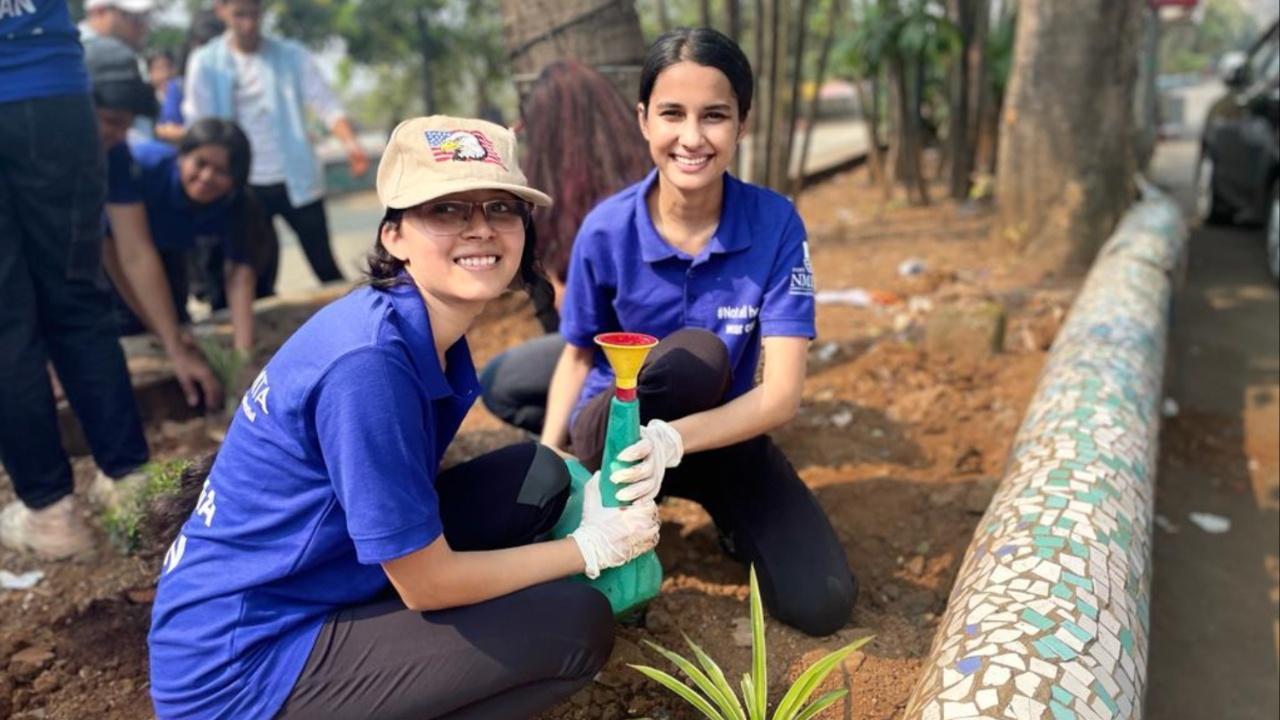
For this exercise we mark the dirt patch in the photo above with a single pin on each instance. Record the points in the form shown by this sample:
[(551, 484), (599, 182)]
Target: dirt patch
[(901, 448)]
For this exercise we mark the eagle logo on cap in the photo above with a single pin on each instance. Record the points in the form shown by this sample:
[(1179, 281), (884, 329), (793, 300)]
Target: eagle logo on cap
[(462, 145)]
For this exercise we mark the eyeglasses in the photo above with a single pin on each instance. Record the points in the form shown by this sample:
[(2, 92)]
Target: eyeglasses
[(450, 217)]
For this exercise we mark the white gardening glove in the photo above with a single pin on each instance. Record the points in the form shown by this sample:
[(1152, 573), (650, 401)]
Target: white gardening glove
[(659, 447), (609, 537)]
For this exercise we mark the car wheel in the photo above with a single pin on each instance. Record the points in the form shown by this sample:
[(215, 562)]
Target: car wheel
[(1273, 233), (1209, 208)]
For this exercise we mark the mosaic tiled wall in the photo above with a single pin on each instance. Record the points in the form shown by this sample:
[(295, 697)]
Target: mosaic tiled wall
[(1049, 614)]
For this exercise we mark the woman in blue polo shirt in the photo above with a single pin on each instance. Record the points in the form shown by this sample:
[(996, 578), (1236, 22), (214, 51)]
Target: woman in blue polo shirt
[(191, 192), (329, 569), (718, 270)]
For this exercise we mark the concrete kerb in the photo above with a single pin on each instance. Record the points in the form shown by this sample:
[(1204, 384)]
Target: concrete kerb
[(1049, 614)]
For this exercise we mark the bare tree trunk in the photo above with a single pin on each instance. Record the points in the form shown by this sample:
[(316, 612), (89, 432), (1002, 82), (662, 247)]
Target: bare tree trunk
[(780, 99), (733, 20), (428, 72), (835, 14), (758, 130), (704, 13), (969, 17), (1067, 156), (664, 16), (793, 108), (604, 35), (908, 170), (874, 151)]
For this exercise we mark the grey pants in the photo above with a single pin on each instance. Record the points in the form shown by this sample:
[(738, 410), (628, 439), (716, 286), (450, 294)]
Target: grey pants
[(508, 658)]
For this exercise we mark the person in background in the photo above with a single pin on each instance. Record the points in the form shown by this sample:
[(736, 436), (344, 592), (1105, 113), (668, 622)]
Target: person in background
[(51, 308), (193, 191), (160, 71), (719, 271), (125, 20), (170, 123), (265, 84), (581, 143), (330, 568)]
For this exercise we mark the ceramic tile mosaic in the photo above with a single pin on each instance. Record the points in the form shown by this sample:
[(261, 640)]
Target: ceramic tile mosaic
[(1048, 618)]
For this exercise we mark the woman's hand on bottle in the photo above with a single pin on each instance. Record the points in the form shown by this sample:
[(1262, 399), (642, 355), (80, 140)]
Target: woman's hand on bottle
[(660, 447), (610, 537)]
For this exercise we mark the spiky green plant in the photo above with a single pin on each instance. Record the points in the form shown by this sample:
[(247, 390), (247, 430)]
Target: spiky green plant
[(228, 364), (709, 692), (122, 522)]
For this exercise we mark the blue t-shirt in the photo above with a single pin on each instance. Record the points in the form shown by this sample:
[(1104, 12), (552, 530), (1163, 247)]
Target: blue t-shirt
[(753, 279), (40, 54), (328, 469), (171, 107), (147, 172)]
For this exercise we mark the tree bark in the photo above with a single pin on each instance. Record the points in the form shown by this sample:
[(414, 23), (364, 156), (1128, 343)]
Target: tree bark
[(604, 34), (835, 14), (664, 16), (428, 72), (1067, 156), (970, 17), (704, 13), (733, 20), (793, 104)]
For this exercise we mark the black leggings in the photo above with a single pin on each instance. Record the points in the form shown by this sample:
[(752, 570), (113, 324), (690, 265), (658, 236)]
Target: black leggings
[(764, 512), (510, 657)]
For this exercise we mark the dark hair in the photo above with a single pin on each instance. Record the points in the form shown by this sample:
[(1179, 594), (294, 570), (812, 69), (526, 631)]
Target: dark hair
[(386, 271), (159, 55), (704, 46), (581, 146), (216, 131), (205, 26)]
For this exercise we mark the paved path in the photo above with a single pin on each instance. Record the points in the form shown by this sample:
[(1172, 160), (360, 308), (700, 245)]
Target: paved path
[(1215, 635)]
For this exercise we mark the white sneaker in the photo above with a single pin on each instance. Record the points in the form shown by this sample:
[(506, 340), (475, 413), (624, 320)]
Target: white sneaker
[(56, 532), (108, 493)]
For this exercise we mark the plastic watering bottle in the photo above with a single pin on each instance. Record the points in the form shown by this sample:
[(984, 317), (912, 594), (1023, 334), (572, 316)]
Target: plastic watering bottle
[(629, 587)]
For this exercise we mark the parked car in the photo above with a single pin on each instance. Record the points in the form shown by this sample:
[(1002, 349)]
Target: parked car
[(1236, 180)]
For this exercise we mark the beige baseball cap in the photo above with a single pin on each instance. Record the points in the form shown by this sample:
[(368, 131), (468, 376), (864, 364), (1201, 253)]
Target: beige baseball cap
[(429, 157)]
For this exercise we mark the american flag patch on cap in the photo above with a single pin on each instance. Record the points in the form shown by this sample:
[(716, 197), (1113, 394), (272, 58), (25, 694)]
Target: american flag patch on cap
[(465, 145)]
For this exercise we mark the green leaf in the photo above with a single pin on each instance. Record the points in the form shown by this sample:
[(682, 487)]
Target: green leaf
[(810, 679), (717, 675), (703, 683), (679, 688), (759, 664), (821, 704), (754, 711), (725, 697)]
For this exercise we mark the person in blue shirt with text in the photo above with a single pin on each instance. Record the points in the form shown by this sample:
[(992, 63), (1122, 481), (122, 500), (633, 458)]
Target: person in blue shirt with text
[(192, 191), (330, 569), (718, 270)]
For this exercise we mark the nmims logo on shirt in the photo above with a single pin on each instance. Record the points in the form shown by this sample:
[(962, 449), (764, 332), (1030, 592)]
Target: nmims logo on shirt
[(802, 275)]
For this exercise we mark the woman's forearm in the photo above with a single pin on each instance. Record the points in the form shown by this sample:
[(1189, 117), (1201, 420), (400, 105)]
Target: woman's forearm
[(765, 407), (566, 383), (142, 277), (436, 577), (240, 282)]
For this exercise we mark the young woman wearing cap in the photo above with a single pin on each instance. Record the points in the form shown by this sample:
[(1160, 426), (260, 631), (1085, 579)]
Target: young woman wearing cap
[(329, 568), (719, 270)]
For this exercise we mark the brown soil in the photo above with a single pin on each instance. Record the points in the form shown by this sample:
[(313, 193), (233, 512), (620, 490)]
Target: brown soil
[(901, 448)]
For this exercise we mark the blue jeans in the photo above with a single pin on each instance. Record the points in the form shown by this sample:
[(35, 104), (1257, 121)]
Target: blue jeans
[(52, 184)]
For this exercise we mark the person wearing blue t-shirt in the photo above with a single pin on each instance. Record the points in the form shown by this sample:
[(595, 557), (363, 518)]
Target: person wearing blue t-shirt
[(51, 308), (330, 568), (719, 270), (189, 193)]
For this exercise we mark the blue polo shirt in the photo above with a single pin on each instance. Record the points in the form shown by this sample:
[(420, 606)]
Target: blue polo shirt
[(40, 53), (328, 469), (753, 279), (147, 172)]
